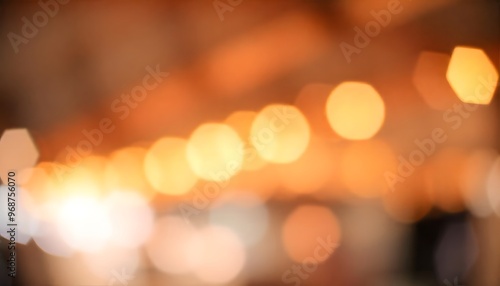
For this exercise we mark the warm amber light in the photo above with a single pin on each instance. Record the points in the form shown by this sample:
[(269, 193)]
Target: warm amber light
[(429, 79), (355, 110), (472, 75), (309, 232), (363, 165), (167, 168), (125, 171), (215, 152), (280, 133), (241, 122)]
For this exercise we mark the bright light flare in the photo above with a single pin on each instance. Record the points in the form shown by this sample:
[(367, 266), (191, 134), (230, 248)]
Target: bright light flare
[(355, 110), (472, 75)]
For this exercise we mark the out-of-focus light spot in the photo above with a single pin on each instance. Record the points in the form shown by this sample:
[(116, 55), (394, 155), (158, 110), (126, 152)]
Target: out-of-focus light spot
[(113, 261), (430, 80), (24, 216), (215, 152), (280, 133), (222, 255), (411, 202), (472, 75), (125, 171), (474, 182), (47, 236), (83, 180), (445, 169), (241, 122), (174, 246), (84, 224), (167, 168), (38, 181), (130, 217), (493, 186), (355, 110), (243, 213), (309, 228), (299, 177), (17, 150), (363, 166)]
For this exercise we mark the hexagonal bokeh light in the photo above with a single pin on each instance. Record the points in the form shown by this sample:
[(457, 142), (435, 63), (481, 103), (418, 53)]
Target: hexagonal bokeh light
[(17, 150), (472, 75)]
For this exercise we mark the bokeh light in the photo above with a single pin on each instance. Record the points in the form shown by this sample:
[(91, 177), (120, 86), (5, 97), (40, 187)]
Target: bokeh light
[(17, 150), (355, 110), (472, 75), (215, 152), (167, 168), (241, 122), (307, 228), (280, 133)]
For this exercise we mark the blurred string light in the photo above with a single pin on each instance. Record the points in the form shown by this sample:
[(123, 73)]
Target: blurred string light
[(241, 122), (124, 171), (113, 261), (280, 133), (472, 75), (429, 78), (242, 212), (304, 227), (166, 167), (355, 110), (363, 165), (215, 152)]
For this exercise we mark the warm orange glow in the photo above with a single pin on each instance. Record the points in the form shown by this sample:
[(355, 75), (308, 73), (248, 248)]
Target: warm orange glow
[(430, 80), (411, 201), (17, 150), (125, 171), (280, 133), (241, 122), (355, 110), (306, 228), (299, 177), (363, 165), (472, 75), (222, 255), (166, 167), (445, 174), (215, 152)]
